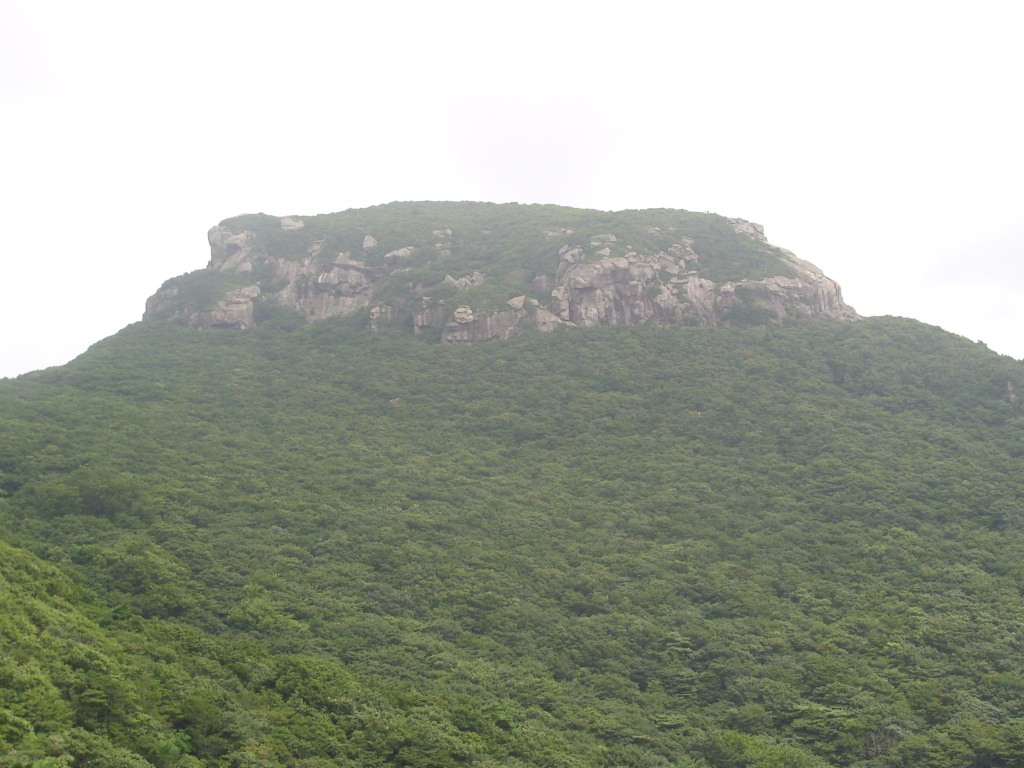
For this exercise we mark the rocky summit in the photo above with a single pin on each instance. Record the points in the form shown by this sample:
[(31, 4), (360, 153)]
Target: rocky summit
[(471, 272)]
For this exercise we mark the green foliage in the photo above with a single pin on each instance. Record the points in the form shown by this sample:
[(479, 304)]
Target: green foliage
[(309, 545), (746, 310), (202, 289)]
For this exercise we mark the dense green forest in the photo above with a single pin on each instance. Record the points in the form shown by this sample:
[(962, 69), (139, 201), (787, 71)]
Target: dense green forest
[(313, 545)]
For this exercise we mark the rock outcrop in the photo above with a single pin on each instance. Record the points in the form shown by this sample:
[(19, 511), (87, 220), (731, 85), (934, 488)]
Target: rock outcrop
[(595, 279)]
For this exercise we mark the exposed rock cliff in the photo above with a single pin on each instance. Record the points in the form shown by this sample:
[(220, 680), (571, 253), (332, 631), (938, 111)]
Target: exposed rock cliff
[(591, 279)]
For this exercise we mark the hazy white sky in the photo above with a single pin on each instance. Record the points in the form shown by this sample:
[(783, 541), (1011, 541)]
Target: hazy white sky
[(881, 141)]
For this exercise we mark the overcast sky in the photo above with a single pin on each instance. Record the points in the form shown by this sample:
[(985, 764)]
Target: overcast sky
[(881, 141)]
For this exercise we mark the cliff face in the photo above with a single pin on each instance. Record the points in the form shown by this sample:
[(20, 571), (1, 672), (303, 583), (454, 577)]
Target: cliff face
[(565, 278)]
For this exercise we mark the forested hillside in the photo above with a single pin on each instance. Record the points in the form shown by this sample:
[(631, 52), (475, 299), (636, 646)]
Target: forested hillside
[(312, 545)]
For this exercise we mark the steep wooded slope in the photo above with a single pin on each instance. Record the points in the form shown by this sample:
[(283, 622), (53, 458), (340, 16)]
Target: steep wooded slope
[(616, 546)]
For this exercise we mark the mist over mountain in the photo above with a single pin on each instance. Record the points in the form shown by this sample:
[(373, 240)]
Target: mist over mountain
[(683, 508)]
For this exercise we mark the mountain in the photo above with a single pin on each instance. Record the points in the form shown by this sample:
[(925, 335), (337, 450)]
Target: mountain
[(765, 542), (467, 272)]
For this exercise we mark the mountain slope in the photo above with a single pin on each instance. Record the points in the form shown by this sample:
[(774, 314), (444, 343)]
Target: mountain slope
[(612, 546)]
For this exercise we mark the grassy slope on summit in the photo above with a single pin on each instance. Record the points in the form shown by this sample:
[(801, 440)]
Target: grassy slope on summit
[(623, 547), (516, 246), (508, 238)]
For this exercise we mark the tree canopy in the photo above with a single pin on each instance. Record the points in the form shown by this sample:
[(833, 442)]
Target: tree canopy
[(320, 546)]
